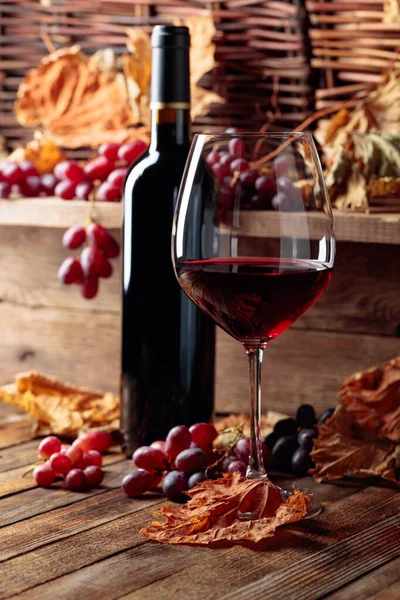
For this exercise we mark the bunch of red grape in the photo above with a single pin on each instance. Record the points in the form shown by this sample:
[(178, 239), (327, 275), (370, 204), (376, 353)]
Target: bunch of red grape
[(94, 260), (258, 189), (79, 465), (180, 462), (291, 441), (23, 179), (103, 176)]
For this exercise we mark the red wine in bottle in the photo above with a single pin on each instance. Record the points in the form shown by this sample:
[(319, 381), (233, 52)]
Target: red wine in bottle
[(167, 341)]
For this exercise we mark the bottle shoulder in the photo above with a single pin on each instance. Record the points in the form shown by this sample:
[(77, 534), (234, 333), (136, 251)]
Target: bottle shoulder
[(155, 163)]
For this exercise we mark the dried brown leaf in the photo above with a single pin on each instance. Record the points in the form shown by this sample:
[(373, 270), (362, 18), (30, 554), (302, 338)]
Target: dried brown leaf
[(59, 407), (211, 516), (362, 438)]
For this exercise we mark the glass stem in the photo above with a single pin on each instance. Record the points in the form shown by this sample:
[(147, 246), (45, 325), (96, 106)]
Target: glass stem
[(256, 466)]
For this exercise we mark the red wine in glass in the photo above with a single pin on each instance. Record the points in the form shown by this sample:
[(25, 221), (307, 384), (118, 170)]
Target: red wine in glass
[(253, 299)]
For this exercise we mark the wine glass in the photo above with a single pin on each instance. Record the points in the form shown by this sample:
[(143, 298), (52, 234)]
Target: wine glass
[(253, 243)]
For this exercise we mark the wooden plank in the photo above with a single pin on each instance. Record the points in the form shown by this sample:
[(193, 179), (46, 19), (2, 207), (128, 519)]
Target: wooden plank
[(52, 212), (18, 456), (15, 429), (37, 501), (14, 481), (300, 366), (65, 343), (382, 583), (303, 546)]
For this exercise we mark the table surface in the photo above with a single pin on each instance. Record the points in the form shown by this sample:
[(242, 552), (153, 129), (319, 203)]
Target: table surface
[(58, 544)]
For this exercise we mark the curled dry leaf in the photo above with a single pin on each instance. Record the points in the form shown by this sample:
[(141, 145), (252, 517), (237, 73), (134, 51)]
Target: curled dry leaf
[(211, 515), (362, 438), (44, 154), (59, 407), (228, 427)]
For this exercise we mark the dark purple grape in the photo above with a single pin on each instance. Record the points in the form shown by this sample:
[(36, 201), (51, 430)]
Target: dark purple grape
[(265, 184), (281, 202), (305, 416), (237, 147), (285, 427), (191, 460), (137, 483), (239, 164), (242, 450), (271, 439), (283, 451), (306, 436), (226, 462), (301, 462), (248, 178), (213, 158), (325, 416), (174, 484), (195, 479), (237, 466)]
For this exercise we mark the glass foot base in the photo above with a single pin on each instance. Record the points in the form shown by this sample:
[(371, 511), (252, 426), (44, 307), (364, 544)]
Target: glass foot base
[(315, 507)]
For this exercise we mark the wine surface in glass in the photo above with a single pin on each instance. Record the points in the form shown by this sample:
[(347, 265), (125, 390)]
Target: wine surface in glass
[(253, 299)]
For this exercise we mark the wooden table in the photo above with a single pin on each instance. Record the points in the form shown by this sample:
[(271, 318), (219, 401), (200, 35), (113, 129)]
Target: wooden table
[(56, 544)]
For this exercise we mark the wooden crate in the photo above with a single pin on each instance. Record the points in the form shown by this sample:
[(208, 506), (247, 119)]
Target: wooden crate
[(46, 326), (257, 41)]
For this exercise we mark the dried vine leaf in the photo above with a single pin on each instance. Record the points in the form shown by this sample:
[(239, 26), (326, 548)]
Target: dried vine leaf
[(211, 516), (391, 11), (78, 101), (362, 438), (59, 407)]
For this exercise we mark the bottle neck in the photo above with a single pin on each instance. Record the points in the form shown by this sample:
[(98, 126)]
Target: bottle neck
[(170, 127)]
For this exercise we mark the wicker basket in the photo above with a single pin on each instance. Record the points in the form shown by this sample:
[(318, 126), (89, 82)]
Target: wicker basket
[(353, 41), (258, 42)]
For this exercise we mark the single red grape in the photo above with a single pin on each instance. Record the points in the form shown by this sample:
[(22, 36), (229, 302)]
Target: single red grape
[(159, 445), (84, 462), (111, 250), (95, 440), (94, 476), (48, 183), (174, 484), (265, 184), (44, 475), (108, 193), (98, 234), (48, 446), (106, 269), (83, 190), (11, 173), (237, 147), (70, 271), (29, 187), (95, 457), (242, 450), (130, 151), (213, 158), (60, 463), (149, 458), (69, 171), (28, 168), (239, 164), (220, 171), (76, 480), (91, 261), (99, 168), (232, 130), (248, 178), (109, 150), (74, 237), (137, 483), (65, 189), (90, 287), (237, 465), (178, 439), (190, 460), (117, 177), (203, 434), (75, 454), (5, 190), (227, 158)]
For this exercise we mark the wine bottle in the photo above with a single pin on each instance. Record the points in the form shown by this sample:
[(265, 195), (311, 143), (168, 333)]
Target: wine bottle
[(167, 342)]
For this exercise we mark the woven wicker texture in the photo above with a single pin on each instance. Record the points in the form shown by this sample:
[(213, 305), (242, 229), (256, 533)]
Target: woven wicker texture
[(258, 42)]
